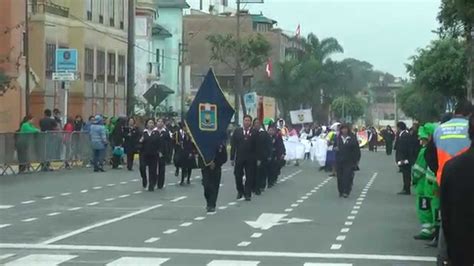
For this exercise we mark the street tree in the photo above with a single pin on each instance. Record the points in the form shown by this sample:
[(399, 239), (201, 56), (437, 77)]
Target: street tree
[(422, 105), (243, 55), (348, 106)]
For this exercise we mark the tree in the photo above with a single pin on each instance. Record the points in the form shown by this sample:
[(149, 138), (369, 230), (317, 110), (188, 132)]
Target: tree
[(240, 56), (422, 105), (348, 106), (440, 68)]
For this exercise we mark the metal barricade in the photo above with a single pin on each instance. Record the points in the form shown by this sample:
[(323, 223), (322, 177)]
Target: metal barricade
[(30, 152)]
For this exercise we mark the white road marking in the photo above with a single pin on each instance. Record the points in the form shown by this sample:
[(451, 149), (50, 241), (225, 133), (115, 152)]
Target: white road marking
[(135, 180), (345, 230), (197, 177), (178, 199), (288, 210), (348, 223), (3, 207), (359, 203), (84, 191), (142, 261), (256, 235), (123, 182), (300, 201), (222, 207), (257, 254), (152, 239), (74, 209), (48, 197), (110, 185), (27, 202), (171, 184), (356, 207), (138, 192), (244, 243), (232, 203), (294, 205), (66, 194), (186, 224), (110, 199), (97, 188), (29, 220), (124, 196), (233, 263), (92, 203), (341, 238), (304, 197), (351, 217), (336, 246), (54, 213), (199, 218), (41, 260), (170, 231), (106, 222), (6, 256), (4, 225), (309, 194), (314, 190), (327, 264), (354, 212), (361, 199)]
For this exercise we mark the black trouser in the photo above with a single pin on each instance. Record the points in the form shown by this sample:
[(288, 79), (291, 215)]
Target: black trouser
[(345, 177), (249, 166), (389, 148), (186, 174), (262, 175), (211, 180), (116, 161), (130, 158), (273, 171), (151, 162), (406, 174), (161, 172)]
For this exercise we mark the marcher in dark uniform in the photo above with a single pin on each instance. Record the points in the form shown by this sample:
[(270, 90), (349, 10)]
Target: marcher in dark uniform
[(149, 154), (178, 137), (277, 156), (188, 157), (211, 177), (118, 137), (347, 160), (404, 156), (373, 139), (264, 149), (132, 136), (243, 155), (388, 136), (164, 139), (457, 205)]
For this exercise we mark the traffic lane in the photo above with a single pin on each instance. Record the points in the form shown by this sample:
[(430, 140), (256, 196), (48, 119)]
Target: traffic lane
[(166, 223)]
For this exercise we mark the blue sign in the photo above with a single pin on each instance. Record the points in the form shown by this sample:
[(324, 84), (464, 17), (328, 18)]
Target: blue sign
[(66, 60)]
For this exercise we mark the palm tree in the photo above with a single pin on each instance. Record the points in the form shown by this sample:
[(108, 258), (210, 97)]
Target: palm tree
[(320, 50)]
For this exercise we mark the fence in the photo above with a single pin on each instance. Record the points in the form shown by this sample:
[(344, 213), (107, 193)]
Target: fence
[(31, 152)]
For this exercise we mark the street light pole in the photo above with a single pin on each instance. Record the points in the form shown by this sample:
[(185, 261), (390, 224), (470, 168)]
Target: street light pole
[(131, 58), (238, 70), (27, 62)]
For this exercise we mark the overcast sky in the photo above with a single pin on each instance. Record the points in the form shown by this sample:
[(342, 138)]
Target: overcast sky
[(383, 32)]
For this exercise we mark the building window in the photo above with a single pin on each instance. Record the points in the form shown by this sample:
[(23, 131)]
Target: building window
[(89, 64), (101, 11), (121, 69), (121, 13), (89, 10), (162, 66), (100, 65), (111, 67), (225, 3), (111, 11), (158, 56), (50, 60)]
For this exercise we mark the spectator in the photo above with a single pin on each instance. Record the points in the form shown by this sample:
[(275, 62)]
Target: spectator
[(67, 140), (87, 126), (86, 138), (388, 136), (57, 117), (403, 156), (47, 124), (99, 143), (24, 141), (457, 205)]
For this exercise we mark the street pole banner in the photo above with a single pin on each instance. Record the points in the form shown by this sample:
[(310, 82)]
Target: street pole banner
[(251, 104), (208, 118), (303, 116)]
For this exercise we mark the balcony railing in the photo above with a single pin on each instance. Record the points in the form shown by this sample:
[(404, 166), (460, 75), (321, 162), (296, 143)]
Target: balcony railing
[(49, 7)]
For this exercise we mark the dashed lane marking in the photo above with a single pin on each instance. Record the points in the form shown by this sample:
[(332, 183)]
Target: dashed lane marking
[(170, 231), (244, 243)]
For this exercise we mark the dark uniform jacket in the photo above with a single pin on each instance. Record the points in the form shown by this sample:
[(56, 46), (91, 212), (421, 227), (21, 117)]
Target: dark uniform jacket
[(220, 158), (264, 145), (244, 147), (164, 143), (151, 143), (347, 152), (132, 136), (278, 148), (404, 148), (457, 208)]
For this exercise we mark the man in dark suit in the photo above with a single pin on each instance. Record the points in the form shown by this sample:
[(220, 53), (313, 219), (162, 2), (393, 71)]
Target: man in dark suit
[(404, 156), (211, 177), (264, 149), (457, 205), (243, 156)]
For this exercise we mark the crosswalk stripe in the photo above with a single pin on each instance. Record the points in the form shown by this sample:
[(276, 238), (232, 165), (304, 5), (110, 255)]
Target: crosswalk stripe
[(327, 264), (142, 261), (233, 263), (41, 260), (3, 207), (5, 256)]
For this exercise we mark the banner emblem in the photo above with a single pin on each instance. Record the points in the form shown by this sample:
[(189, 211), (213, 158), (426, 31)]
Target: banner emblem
[(207, 117)]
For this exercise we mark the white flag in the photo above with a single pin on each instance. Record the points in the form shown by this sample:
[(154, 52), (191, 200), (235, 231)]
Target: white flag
[(301, 116)]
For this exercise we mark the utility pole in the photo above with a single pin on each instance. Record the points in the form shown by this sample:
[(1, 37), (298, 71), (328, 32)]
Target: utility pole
[(181, 69), (470, 62), (27, 61), (131, 58), (238, 72)]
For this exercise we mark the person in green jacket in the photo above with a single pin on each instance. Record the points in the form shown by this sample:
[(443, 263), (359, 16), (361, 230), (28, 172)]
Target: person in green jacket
[(421, 176), (24, 139)]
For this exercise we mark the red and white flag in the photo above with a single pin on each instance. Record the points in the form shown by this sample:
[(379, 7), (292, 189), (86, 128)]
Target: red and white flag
[(298, 31), (269, 68)]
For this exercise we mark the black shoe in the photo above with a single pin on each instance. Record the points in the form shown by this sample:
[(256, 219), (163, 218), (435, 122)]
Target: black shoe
[(181, 183), (151, 189), (176, 173), (239, 196), (211, 209), (188, 182), (404, 193), (144, 183), (433, 243), (258, 192), (96, 170), (332, 175), (345, 195), (101, 169), (270, 185), (340, 195), (248, 199), (422, 237)]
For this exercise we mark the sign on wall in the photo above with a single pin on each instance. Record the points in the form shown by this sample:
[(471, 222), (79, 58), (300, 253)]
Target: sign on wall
[(66, 60)]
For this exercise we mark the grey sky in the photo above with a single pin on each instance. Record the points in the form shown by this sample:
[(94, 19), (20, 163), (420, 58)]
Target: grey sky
[(383, 32)]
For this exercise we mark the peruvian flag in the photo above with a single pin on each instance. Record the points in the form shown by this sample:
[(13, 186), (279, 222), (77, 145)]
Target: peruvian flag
[(269, 68), (298, 31)]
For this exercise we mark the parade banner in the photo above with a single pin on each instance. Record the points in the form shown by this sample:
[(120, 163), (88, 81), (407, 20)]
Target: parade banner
[(303, 116), (208, 118), (295, 150), (363, 138), (269, 107), (251, 104)]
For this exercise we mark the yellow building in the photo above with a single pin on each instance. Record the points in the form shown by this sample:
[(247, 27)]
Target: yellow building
[(98, 30)]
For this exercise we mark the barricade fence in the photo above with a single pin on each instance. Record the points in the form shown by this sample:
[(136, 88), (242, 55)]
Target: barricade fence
[(31, 152)]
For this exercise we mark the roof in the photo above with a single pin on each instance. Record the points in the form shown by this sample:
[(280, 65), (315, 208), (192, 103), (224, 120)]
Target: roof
[(161, 31), (262, 19), (172, 4)]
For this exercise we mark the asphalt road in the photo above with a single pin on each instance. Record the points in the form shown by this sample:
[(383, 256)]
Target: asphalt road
[(82, 218)]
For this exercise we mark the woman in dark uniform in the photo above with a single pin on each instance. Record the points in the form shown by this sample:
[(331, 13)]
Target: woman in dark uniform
[(130, 145), (163, 139), (188, 156), (149, 154)]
